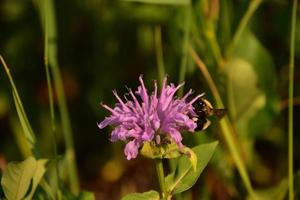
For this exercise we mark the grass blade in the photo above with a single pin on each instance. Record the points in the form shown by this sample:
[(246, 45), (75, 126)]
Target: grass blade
[(226, 127), (159, 54), (242, 25), (291, 96), (184, 60), (49, 20), (28, 132), (51, 101), (24, 121)]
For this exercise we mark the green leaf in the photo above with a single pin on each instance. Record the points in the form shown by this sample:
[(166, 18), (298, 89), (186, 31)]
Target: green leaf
[(250, 49), (252, 97), (169, 2), (275, 193), (86, 196), (191, 156), (18, 177), (65, 193), (245, 97), (185, 177), (150, 195), (40, 170), (47, 190)]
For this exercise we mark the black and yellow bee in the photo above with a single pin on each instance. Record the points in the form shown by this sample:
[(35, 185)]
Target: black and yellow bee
[(204, 110)]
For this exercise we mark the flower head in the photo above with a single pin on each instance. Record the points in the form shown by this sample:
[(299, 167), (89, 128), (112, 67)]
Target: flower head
[(145, 118)]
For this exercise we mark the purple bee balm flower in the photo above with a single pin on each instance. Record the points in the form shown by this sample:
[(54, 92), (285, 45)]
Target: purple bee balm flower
[(156, 118)]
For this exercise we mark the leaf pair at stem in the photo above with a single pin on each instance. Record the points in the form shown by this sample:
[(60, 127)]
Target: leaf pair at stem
[(183, 177)]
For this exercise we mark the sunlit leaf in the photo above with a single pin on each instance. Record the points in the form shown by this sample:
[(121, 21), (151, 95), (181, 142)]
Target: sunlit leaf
[(18, 177), (250, 49), (86, 196), (185, 177), (251, 86), (151, 195), (40, 170), (246, 97)]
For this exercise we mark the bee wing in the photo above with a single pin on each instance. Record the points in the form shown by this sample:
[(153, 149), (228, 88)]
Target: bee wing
[(219, 113)]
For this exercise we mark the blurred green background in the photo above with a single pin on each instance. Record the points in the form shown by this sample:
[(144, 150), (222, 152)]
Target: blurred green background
[(106, 44)]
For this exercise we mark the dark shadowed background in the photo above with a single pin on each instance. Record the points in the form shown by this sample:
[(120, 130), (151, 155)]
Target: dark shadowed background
[(106, 44)]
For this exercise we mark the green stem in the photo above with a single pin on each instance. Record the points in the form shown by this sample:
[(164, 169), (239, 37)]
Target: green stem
[(242, 25), (48, 77), (225, 25), (49, 14), (214, 45), (208, 26), (51, 101), (226, 127), (159, 54), (291, 96), (183, 63), (161, 178)]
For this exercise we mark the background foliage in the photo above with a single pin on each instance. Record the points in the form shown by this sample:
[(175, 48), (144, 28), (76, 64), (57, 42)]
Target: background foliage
[(106, 44)]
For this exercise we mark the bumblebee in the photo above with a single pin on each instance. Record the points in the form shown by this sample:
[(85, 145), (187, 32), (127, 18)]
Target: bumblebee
[(204, 110)]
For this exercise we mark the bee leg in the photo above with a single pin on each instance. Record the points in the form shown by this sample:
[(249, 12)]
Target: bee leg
[(207, 123)]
